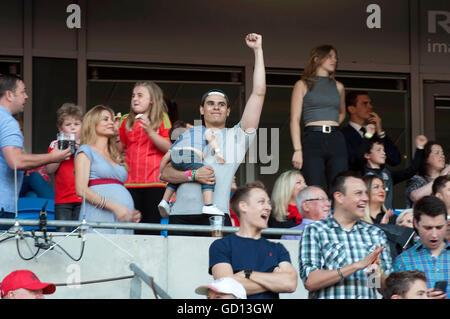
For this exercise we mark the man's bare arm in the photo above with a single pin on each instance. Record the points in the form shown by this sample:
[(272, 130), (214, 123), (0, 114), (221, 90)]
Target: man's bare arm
[(22, 161), (203, 175), (319, 279), (253, 108), (221, 270), (282, 279)]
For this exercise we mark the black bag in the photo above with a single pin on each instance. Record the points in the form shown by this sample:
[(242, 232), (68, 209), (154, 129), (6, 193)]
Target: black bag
[(399, 238)]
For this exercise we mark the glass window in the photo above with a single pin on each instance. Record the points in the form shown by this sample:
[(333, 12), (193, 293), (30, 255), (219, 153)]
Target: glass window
[(10, 65), (54, 83), (442, 120)]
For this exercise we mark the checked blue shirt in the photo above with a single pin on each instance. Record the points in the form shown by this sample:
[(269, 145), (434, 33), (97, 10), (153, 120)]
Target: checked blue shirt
[(325, 245), (419, 257)]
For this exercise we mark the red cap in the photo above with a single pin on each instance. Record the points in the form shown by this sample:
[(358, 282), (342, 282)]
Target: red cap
[(27, 280)]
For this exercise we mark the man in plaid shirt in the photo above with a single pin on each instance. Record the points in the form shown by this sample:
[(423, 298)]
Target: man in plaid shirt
[(432, 253), (341, 257)]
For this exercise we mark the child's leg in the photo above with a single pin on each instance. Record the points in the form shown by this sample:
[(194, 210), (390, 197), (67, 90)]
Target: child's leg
[(164, 206), (207, 197), (208, 191), (208, 207), (168, 193)]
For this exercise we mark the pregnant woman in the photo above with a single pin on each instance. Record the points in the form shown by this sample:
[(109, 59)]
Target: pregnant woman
[(101, 171)]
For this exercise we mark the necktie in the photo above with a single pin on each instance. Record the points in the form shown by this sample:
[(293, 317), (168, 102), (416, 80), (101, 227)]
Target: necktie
[(362, 130)]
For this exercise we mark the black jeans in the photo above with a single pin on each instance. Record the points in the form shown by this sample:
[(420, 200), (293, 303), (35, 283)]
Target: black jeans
[(146, 201), (323, 154), (70, 211)]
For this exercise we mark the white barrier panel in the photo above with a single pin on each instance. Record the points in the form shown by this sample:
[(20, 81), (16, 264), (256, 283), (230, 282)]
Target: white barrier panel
[(178, 264)]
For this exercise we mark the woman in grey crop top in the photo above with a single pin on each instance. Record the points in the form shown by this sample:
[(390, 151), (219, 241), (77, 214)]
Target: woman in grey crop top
[(320, 99)]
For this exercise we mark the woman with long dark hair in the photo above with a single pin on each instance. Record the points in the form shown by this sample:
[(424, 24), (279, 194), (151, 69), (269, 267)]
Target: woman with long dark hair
[(376, 212), (433, 166), (320, 100)]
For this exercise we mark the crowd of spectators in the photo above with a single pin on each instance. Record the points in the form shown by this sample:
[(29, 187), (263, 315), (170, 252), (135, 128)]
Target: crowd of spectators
[(138, 168)]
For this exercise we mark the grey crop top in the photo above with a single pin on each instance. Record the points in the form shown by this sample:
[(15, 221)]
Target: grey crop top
[(322, 103)]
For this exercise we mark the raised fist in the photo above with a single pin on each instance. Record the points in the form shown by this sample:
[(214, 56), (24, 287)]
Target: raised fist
[(253, 40)]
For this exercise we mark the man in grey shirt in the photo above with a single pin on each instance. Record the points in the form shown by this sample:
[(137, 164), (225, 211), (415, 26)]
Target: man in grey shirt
[(234, 143)]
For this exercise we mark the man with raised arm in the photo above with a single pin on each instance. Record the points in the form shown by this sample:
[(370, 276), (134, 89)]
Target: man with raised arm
[(233, 143)]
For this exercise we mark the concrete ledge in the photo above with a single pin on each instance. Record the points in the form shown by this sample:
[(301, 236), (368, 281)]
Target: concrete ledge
[(178, 264)]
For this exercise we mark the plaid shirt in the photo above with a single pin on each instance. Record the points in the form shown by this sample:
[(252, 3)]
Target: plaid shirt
[(419, 257), (325, 245)]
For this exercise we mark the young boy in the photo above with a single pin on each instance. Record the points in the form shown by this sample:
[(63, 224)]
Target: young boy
[(67, 204), (410, 284), (375, 158), (186, 154), (177, 129)]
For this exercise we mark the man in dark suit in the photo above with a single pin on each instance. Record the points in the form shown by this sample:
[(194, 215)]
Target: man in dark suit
[(360, 109)]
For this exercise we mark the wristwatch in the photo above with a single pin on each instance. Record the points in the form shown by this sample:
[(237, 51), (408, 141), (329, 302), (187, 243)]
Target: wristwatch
[(247, 273)]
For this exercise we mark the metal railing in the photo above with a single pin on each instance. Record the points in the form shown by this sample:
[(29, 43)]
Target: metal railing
[(136, 283), (145, 226), (136, 287), (139, 275)]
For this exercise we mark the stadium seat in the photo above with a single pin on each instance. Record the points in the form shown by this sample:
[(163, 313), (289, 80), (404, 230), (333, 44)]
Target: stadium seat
[(30, 208)]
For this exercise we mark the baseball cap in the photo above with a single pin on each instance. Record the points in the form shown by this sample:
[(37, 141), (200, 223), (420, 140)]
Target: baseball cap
[(217, 92), (27, 280), (224, 285)]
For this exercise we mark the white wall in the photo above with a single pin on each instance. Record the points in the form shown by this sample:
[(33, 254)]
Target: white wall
[(178, 265)]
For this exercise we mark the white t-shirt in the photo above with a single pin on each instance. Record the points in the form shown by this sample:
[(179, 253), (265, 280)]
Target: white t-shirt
[(234, 143)]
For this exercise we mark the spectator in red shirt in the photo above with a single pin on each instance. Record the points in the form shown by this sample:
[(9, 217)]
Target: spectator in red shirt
[(67, 204), (144, 136)]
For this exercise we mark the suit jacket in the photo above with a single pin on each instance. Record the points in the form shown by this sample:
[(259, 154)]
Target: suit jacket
[(353, 140)]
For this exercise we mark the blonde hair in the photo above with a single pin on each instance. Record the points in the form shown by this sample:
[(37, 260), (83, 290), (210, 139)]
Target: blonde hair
[(368, 179), (89, 135), (320, 53), (282, 193), (157, 107), (403, 214)]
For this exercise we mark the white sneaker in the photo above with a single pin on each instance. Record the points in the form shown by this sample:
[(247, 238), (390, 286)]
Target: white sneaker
[(212, 210), (164, 209)]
